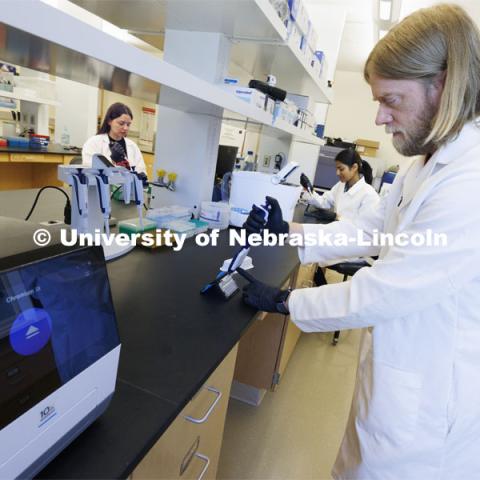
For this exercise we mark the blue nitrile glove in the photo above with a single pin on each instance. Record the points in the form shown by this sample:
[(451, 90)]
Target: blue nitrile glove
[(264, 297)]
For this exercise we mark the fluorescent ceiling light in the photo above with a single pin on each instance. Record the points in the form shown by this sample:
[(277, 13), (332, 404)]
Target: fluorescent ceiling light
[(385, 9)]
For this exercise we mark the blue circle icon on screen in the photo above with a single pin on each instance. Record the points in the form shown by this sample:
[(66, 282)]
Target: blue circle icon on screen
[(30, 331)]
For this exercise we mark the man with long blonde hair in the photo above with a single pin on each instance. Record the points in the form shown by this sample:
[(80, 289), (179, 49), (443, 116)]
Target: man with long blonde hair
[(416, 408)]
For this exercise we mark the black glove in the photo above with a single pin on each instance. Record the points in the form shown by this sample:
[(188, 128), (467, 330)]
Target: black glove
[(266, 298), (143, 177), (118, 153), (255, 222), (306, 183), (275, 223)]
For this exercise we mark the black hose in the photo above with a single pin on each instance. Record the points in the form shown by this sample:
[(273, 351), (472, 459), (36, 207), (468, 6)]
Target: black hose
[(38, 196)]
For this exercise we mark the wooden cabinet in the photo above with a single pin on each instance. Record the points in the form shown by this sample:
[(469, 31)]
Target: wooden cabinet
[(266, 348), (30, 169), (34, 170), (29, 157), (190, 447), (149, 159)]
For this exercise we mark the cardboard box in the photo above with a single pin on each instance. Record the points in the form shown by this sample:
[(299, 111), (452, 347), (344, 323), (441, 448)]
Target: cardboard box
[(368, 148)]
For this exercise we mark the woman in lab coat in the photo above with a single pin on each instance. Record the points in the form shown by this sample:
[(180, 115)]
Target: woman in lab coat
[(351, 196), (353, 193), (112, 141), (415, 412)]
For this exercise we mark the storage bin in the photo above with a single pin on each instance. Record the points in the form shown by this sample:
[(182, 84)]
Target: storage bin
[(18, 142)]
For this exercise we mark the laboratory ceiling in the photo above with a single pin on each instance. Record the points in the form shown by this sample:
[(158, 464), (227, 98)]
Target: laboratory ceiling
[(146, 19), (360, 32)]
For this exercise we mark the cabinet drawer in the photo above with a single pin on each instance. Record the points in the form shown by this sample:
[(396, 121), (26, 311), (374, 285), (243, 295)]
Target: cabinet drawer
[(36, 158), (189, 449)]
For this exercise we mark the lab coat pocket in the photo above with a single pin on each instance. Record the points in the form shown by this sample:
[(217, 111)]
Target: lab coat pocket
[(389, 404)]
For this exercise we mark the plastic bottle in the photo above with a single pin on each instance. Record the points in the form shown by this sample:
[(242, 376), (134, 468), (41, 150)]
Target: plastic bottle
[(65, 139), (249, 162)]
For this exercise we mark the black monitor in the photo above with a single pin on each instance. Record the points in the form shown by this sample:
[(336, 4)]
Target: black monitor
[(325, 175), (326, 172), (56, 320), (225, 160)]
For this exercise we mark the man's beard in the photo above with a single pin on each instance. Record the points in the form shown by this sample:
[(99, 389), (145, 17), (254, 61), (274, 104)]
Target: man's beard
[(412, 141)]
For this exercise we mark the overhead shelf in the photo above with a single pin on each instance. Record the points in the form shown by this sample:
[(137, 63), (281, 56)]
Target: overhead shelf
[(71, 51), (260, 43), (27, 98)]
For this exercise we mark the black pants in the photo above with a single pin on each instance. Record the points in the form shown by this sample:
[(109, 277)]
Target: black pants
[(319, 277)]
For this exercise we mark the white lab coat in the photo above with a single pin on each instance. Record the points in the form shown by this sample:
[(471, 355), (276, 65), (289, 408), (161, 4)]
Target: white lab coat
[(347, 204), (100, 144), (416, 408)]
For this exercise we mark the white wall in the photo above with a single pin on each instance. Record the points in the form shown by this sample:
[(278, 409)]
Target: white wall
[(135, 105), (352, 116), (77, 111), (328, 21), (306, 155)]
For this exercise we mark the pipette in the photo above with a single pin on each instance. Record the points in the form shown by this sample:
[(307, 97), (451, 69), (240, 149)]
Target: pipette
[(138, 194), (80, 188), (104, 197), (224, 280)]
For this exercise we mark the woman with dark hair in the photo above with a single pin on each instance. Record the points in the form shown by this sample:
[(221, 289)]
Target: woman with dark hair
[(353, 192), (112, 142)]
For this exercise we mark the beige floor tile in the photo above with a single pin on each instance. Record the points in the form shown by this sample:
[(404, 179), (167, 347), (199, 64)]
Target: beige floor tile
[(296, 431)]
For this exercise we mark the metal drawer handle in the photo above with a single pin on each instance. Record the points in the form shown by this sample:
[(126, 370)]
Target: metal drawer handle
[(210, 410), (207, 464)]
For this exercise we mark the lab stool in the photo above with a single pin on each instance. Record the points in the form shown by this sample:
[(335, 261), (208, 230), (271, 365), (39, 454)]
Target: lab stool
[(347, 269)]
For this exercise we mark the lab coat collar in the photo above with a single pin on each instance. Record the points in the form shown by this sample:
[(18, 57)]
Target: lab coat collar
[(355, 188), (468, 138), (419, 171)]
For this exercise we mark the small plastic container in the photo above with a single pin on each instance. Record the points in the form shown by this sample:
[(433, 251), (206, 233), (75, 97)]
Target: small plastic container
[(216, 214), (181, 226), (200, 225), (39, 141), (132, 225), (164, 215), (18, 142)]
